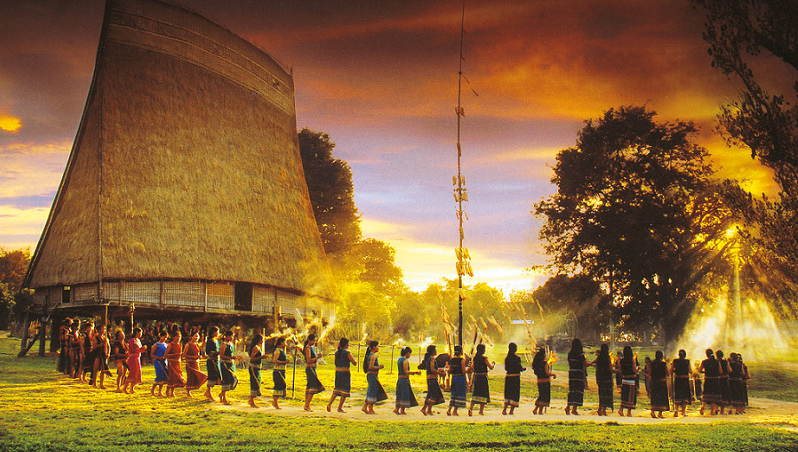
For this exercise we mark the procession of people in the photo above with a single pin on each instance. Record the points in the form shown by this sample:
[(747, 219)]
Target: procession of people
[(86, 354)]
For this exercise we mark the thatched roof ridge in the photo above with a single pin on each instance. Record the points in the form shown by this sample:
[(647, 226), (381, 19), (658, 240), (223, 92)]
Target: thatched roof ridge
[(186, 164)]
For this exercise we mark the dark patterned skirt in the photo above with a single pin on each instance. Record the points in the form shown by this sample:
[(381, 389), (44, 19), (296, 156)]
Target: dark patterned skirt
[(628, 393), (736, 392), (229, 379), (725, 398), (278, 377), (343, 383), (576, 387), (160, 371), (711, 391), (434, 393), (605, 388), (659, 396), (374, 392), (254, 380), (458, 393), (314, 385), (481, 389), (544, 393), (404, 394), (512, 390), (214, 372), (682, 394)]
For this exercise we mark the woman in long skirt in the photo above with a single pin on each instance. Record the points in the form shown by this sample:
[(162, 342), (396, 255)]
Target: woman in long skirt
[(63, 353), (314, 386), (746, 377), (279, 361), (102, 351), (87, 354), (711, 395), (682, 395), (736, 391), (255, 358), (371, 365), (480, 366), (723, 381), (174, 368), (404, 393), (434, 393), (343, 376), (605, 370), (512, 380), (629, 368), (119, 354), (577, 377), (228, 366), (158, 355), (73, 352), (459, 386), (133, 362), (194, 377), (212, 364), (542, 370), (659, 386)]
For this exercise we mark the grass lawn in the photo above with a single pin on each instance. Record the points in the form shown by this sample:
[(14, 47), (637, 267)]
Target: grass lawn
[(41, 410)]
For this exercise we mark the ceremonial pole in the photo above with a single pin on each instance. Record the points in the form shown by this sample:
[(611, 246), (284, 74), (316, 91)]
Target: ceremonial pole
[(460, 195)]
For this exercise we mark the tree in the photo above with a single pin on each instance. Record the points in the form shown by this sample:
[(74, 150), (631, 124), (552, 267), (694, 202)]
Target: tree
[(331, 192), (13, 265), (580, 296), (740, 33), (637, 211)]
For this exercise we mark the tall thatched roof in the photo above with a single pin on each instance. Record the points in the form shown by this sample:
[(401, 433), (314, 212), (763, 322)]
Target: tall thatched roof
[(185, 166)]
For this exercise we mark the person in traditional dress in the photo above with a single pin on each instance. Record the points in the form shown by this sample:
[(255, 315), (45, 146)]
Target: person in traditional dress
[(577, 377), (404, 392), (629, 368), (174, 368), (103, 354), (227, 364), (63, 352), (212, 364), (736, 389), (746, 377), (87, 354), (711, 393), (119, 354), (605, 370), (682, 394), (434, 393), (191, 353), (279, 361), (255, 358), (542, 369), (723, 381), (314, 386), (512, 379), (134, 350), (73, 353), (647, 374), (698, 386), (480, 365), (371, 365), (659, 386), (459, 382), (158, 355), (343, 377)]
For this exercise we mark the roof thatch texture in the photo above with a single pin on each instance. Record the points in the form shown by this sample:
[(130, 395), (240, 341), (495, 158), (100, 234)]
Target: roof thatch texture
[(201, 176)]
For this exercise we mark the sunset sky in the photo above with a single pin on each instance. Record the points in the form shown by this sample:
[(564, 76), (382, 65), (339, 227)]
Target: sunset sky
[(380, 77)]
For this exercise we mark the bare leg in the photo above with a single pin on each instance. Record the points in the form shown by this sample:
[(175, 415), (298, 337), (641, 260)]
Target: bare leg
[(341, 405)]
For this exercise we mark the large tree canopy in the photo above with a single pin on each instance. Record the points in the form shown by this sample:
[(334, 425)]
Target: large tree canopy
[(748, 40), (331, 192), (636, 210)]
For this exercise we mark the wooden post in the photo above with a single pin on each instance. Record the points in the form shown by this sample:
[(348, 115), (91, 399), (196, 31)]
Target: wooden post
[(391, 371), (25, 326), (42, 334)]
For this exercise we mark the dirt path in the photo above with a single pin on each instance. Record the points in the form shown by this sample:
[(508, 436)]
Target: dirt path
[(764, 411)]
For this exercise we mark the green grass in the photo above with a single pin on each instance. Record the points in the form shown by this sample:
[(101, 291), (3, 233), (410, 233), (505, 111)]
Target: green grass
[(42, 411)]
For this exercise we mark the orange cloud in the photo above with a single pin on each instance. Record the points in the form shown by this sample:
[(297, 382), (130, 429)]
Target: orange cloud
[(10, 123)]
